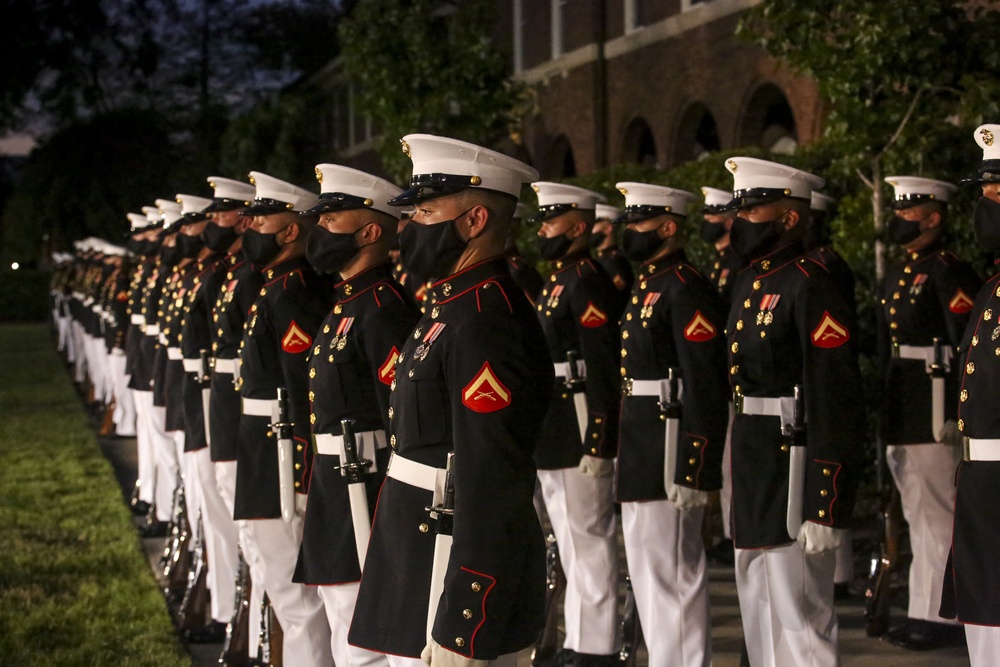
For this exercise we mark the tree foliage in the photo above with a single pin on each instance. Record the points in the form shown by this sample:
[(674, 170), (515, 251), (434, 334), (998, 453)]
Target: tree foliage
[(905, 84), (429, 66)]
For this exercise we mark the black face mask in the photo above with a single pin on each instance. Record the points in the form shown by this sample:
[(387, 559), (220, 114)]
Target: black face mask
[(133, 245), (903, 232), (219, 238), (986, 223), (597, 239), (815, 234), (640, 246), (430, 251), (170, 255), (189, 246), (712, 231), (750, 240), (259, 248), (330, 252), (553, 248)]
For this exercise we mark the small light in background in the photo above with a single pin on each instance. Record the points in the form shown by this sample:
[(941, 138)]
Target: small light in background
[(15, 266)]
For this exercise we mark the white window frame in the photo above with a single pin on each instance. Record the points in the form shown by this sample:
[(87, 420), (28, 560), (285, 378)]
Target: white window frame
[(558, 23)]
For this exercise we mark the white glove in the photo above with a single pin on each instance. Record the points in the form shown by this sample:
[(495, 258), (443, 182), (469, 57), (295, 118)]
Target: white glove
[(816, 538), (686, 498), (949, 434), (597, 467), (435, 656)]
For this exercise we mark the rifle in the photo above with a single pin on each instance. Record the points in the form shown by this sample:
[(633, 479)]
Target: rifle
[(271, 636), (178, 556), (631, 628), (555, 587), (878, 592), (192, 613), (236, 648)]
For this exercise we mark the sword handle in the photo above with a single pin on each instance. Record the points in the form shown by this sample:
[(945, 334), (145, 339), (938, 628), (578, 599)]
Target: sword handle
[(573, 381)]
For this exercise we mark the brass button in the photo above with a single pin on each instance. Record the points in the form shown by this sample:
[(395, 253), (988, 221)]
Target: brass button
[(739, 325), (635, 299), (598, 420), (298, 466), (756, 284), (970, 368), (297, 485), (435, 311), (466, 613), (423, 528), (410, 374), (735, 348), (988, 314), (391, 413), (312, 418), (692, 461), (746, 304), (964, 396), (961, 424), (459, 642), (734, 370), (975, 340), (822, 513), (696, 444), (392, 440), (628, 316), (827, 472), (763, 334), (298, 448), (784, 448), (312, 396), (902, 282), (476, 587), (907, 270), (624, 335), (338, 309), (688, 478), (312, 372), (824, 493)]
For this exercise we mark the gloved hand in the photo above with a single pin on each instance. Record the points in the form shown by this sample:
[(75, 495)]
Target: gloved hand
[(686, 498), (816, 538), (949, 434), (597, 467), (435, 656)]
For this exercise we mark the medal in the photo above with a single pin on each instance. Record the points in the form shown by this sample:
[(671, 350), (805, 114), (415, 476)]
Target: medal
[(339, 339), (425, 346)]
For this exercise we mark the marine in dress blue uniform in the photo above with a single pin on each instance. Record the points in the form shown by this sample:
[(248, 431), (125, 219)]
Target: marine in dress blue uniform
[(579, 310), (471, 379), (972, 577), (274, 354), (351, 367), (788, 327), (926, 297), (672, 323), (604, 241)]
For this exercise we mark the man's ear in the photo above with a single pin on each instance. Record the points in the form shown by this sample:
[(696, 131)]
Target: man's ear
[(370, 233), (667, 229), (292, 232), (792, 218), (933, 220), (479, 215)]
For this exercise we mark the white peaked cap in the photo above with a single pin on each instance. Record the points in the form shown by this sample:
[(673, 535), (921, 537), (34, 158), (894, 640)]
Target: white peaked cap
[(988, 138), (343, 188), (192, 204), (170, 211), (275, 196), (228, 189), (606, 212), (152, 214), (758, 181), (716, 198), (913, 190), (138, 221), (821, 202), (671, 200), (442, 166), (562, 194)]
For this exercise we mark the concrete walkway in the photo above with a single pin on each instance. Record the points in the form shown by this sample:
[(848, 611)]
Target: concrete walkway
[(857, 650)]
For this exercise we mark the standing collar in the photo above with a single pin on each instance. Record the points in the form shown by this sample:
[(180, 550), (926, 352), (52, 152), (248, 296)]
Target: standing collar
[(469, 277)]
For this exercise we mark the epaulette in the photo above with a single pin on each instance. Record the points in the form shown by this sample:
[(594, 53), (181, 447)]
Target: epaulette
[(585, 267), (384, 292), (492, 293)]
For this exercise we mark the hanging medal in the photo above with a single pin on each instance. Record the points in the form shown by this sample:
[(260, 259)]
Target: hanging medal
[(425, 345)]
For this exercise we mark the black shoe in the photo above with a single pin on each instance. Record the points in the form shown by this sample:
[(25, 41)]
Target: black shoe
[(917, 635), (213, 633), (140, 507), (155, 529), (591, 660), (722, 554)]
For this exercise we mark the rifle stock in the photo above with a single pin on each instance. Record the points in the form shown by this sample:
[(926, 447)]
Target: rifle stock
[(555, 587), (236, 649), (631, 628), (878, 595)]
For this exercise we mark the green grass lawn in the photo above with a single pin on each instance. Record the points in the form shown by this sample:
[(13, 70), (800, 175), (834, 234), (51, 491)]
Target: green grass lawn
[(75, 588)]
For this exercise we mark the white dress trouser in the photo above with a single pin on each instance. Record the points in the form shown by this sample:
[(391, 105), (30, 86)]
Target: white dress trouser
[(507, 660), (124, 417), (666, 562), (192, 487), (338, 601), (220, 537), (786, 602), (726, 492), (298, 607), (925, 477), (164, 454), (144, 445), (984, 644), (583, 519)]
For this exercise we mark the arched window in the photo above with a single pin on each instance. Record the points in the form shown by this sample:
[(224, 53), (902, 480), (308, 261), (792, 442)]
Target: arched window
[(768, 121), (697, 134), (559, 162), (639, 146)]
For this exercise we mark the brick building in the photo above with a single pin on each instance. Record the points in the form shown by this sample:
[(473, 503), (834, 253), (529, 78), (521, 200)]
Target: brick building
[(616, 81)]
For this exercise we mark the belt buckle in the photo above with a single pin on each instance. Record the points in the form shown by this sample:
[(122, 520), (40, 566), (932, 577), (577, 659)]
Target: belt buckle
[(966, 450), (627, 386), (895, 350), (738, 403)]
